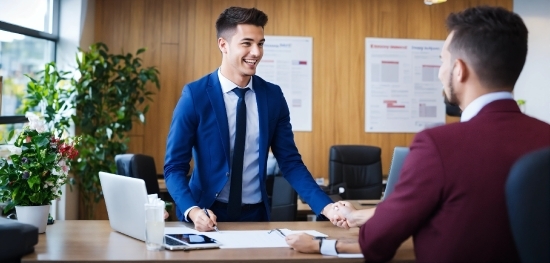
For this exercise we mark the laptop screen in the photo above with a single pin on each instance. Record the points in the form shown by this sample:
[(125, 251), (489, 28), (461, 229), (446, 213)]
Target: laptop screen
[(125, 198), (399, 155)]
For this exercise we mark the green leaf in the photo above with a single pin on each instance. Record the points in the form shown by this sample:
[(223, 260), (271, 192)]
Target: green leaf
[(141, 50), (34, 181)]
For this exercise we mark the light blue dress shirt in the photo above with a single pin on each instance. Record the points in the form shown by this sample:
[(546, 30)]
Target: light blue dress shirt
[(251, 181)]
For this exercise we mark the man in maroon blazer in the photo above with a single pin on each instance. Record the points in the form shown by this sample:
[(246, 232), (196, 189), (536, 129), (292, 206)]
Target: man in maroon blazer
[(450, 196)]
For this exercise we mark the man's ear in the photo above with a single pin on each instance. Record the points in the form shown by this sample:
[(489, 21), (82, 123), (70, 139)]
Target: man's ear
[(461, 70), (222, 45)]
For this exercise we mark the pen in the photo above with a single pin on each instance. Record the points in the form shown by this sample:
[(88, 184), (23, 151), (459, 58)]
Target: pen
[(278, 230), (206, 212)]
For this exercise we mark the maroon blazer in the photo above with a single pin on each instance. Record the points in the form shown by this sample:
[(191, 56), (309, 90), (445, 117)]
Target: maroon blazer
[(450, 195)]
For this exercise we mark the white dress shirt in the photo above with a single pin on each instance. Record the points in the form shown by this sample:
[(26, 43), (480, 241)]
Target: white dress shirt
[(475, 106), (251, 170)]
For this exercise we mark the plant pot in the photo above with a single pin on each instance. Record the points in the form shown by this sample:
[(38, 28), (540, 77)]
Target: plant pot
[(34, 215)]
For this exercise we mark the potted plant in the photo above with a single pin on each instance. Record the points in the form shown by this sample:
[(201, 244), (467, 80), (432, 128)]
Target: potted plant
[(112, 93), (34, 170)]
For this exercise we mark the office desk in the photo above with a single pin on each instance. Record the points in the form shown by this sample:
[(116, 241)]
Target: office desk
[(80, 240)]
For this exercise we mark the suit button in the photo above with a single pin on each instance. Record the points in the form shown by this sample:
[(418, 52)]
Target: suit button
[(217, 194), (227, 174)]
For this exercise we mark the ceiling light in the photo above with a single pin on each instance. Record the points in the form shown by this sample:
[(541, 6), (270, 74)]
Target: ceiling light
[(430, 2)]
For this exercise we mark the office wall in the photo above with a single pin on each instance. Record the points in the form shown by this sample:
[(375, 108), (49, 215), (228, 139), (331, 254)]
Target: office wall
[(181, 42), (533, 85)]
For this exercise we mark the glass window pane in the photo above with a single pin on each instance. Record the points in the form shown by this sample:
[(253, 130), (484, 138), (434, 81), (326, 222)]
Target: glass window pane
[(34, 14), (19, 55)]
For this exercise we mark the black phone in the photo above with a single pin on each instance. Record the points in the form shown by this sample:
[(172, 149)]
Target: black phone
[(189, 242)]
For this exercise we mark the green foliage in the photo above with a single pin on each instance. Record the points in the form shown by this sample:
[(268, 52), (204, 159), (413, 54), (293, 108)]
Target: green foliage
[(111, 95), (52, 95), (35, 167)]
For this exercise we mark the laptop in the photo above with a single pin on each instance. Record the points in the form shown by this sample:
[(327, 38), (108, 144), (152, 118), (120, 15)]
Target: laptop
[(399, 155), (125, 198)]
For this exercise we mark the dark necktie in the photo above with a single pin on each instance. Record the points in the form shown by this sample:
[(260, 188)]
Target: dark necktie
[(235, 192)]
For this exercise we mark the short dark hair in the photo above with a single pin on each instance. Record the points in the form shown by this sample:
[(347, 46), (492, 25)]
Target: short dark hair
[(233, 16), (493, 40)]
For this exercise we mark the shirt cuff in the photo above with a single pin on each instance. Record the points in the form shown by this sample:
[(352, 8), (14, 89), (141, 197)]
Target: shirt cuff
[(328, 247), (187, 213)]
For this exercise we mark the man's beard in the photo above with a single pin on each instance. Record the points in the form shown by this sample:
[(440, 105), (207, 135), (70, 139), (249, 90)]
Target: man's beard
[(453, 100)]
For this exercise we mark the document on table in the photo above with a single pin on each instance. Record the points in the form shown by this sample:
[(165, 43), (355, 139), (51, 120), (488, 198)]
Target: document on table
[(358, 255), (245, 239)]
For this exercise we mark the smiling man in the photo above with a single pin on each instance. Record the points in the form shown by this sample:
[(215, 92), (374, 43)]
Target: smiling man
[(227, 121)]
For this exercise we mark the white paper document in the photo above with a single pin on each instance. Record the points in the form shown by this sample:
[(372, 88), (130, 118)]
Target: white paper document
[(256, 238), (245, 239), (248, 239), (358, 255)]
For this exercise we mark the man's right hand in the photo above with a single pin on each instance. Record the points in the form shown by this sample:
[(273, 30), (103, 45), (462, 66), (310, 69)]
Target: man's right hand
[(353, 217), (202, 222)]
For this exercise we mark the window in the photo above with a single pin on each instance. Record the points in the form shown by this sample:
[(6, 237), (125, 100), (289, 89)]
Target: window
[(27, 42)]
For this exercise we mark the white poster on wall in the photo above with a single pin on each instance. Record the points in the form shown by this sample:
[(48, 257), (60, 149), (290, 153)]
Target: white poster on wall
[(402, 90), (287, 62)]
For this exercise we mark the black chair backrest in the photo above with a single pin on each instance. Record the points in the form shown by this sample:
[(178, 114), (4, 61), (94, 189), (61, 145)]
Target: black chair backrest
[(123, 164), (139, 166), (284, 200), (356, 168), (282, 197), (528, 202)]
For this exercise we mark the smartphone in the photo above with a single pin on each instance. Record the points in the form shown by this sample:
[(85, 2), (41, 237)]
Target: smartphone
[(189, 242)]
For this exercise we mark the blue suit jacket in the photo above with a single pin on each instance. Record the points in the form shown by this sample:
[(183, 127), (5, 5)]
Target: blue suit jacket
[(199, 129)]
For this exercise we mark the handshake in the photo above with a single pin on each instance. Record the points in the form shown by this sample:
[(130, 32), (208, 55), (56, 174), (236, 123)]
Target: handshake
[(343, 214)]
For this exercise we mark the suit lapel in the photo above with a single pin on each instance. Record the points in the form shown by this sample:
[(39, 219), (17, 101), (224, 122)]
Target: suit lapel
[(261, 100), (214, 91)]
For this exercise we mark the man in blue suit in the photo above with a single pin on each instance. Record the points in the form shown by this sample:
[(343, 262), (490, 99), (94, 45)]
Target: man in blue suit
[(230, 150)]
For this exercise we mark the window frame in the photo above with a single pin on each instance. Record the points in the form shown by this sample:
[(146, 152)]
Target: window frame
[(54, 37)]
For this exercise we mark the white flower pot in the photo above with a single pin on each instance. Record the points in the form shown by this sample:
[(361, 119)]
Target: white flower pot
[(34, 215)]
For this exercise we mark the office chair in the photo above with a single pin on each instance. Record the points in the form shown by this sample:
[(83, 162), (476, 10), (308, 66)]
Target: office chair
[(282, 197), (528, 202), (139, 166), (357, 169), (143, 167)]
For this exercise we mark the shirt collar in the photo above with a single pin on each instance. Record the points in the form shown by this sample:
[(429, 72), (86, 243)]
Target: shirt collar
[(228, 85), (475, 106)]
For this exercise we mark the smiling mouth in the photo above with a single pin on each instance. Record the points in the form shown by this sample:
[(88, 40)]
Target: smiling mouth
[(250, 62)]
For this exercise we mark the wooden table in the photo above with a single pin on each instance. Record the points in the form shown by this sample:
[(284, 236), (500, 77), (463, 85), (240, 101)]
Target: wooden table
[(80, 240)]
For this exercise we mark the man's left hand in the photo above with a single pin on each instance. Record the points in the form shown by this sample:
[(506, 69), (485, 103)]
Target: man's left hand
[(303, 243)]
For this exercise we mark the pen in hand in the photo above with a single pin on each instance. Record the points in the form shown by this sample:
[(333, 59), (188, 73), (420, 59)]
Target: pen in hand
[(208, 215)]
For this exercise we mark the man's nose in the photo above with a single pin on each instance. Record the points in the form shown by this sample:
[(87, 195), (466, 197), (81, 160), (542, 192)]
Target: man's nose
[(256, 50)]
